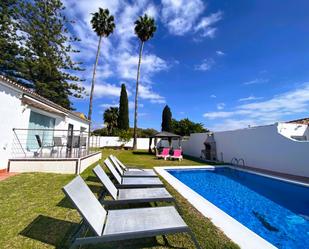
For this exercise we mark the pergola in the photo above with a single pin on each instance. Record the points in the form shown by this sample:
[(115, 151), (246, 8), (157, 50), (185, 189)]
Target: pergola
[(164, 135)]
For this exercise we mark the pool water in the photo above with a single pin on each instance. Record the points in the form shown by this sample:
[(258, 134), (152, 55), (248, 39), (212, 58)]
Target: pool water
[(277, 211)]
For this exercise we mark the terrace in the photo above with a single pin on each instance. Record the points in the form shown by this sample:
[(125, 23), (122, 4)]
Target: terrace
[(51, 150), (35, 214)]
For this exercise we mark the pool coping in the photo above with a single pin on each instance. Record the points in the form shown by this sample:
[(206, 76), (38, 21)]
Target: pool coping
[(236, 231)]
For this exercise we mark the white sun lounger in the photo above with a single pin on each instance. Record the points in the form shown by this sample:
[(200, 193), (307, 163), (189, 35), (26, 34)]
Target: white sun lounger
[(132, 182), (121, 224), (123, 171), (135, 195)]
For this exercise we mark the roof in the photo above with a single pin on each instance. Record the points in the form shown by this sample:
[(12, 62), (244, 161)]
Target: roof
[(300, 121), (38, 97), (165, 134)]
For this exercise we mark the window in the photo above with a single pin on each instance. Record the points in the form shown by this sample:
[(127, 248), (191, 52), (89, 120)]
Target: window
[(40, 128)]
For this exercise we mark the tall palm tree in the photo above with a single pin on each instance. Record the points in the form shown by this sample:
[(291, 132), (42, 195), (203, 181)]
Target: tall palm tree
[(111, 119), (145, 28), (103, 24)]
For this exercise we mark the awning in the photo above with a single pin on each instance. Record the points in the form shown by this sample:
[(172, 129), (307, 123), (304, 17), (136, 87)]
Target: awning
[(40, 105)]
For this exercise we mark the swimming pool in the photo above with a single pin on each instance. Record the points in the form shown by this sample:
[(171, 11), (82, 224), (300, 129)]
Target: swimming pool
[(277, 211)]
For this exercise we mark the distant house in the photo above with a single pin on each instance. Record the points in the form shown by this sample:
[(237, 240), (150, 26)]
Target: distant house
[(304, 121), (34, 127)]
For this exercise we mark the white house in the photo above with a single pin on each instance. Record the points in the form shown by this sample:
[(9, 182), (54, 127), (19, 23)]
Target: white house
[(29, 122), (280, 147)]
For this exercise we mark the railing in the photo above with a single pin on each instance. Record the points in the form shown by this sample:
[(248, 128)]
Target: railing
[(50, 143)]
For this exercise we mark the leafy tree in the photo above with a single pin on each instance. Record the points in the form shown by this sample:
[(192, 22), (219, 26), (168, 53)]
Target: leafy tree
[(144, 29), (124, 136), (166, 119), (110, 119), (9, 49), (185, 127), (123, 119), (45, 51), (103, 25)]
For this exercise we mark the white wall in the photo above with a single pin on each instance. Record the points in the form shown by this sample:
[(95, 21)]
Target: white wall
[(194, 145), (142, 143), (10, 114), (261, 147)]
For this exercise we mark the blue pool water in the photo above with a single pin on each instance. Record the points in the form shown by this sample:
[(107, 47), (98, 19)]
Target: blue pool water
[(278, 211)]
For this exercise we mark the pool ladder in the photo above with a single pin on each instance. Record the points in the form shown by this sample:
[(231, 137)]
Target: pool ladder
[(237, 161)]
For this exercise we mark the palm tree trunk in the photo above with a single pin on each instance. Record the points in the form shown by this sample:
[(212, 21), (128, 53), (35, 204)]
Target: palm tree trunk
[(92, 87), (136, 96)]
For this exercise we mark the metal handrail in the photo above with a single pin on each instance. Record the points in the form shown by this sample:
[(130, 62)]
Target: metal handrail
[(241, 160), (24, 129), (234, 159)]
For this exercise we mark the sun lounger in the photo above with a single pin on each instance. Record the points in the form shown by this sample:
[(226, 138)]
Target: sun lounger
[(124, 167), (120, 224), (164, 154), (136, 195), (132, 182), (177, 154), (123, 171)]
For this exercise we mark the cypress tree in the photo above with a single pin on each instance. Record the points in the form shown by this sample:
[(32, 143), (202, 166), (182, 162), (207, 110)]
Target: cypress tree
[(166, 119), (123, 118), (46, 51)]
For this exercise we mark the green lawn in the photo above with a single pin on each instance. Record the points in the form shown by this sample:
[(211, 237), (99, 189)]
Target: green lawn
[(35, 214)]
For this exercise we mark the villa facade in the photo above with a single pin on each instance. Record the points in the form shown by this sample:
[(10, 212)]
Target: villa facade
[(34, 128)]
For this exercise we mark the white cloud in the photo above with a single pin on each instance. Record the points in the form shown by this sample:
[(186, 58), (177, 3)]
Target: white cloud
[(279, 107), (220, 106), (180, 15), (145, 92), (205, 65), (249, 98), (220, 53), (104, 90), (205, 25), (215, 115), (132, 105), (256, 81), (213, 96), (106, 106), (127, 66)]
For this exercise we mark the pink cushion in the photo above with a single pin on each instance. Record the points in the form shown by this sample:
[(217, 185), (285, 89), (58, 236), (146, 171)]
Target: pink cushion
[(165, 152), (177, 153)]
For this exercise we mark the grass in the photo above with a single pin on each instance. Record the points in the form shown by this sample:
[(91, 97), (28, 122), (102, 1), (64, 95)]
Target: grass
[(35, 214)]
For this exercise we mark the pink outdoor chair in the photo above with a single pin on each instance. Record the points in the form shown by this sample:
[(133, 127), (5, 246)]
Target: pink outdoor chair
[(177, 154), (164, 154)]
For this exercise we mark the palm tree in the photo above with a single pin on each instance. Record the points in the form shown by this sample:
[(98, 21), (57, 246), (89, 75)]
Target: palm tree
[(103, 24), (144, 28), (110, 119)]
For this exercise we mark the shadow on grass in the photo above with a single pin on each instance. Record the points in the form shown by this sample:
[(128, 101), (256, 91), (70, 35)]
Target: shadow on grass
[(142, 153), (51, 231), (66, 203), (92, 179)]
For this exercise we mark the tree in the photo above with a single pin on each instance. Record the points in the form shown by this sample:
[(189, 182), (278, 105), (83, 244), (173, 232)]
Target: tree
[(110, 119), (166, 119), (123, 119), (144, 29), (103, 24), (45, 51), (9, 50), (185, 127)]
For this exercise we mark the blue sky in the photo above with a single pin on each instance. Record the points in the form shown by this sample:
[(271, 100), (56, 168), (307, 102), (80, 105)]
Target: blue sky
[(226, 64)]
